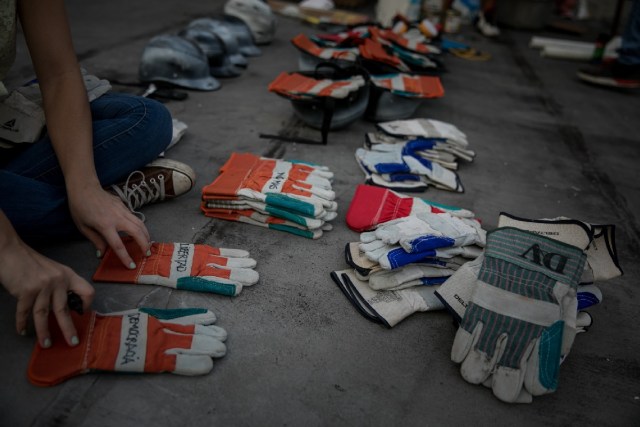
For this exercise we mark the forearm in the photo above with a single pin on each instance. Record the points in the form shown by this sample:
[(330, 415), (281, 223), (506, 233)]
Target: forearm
[(64, 96), (8, 238)]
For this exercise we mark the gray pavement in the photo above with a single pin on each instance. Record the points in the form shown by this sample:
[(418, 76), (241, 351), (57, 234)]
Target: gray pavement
[(298, 353)]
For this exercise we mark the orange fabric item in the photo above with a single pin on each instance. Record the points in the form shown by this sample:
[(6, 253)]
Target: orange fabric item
[(164, 261), (102, 347), (303, 42), (419, 86), (375, 51), (250, 171), (296, 84)]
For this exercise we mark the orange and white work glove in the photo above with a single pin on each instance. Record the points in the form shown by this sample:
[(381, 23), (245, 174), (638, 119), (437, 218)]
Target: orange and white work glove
[(296, 85), (304, 44), (179, 341), (250, 216), (276, 183), (308, 173), (187, 266)]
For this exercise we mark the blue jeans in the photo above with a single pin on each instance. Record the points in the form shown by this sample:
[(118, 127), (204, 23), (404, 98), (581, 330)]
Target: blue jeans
[(629, 53), (128, 132)]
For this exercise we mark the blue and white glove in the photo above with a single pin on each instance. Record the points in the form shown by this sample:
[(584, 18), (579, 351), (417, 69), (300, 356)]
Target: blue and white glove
[(425, 231), (394, 256), (427, 128), (402, 162)]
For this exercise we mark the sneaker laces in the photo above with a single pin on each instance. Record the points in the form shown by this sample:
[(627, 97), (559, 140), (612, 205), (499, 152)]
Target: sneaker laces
[(143, 193)]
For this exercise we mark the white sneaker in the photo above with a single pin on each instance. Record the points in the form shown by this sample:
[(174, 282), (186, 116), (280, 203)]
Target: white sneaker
[(487, 29)]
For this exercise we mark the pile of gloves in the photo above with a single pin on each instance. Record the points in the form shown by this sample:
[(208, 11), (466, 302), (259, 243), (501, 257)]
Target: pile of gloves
[(410, 155), (519, 304), (400, 48), (411, 248), (283, 195)]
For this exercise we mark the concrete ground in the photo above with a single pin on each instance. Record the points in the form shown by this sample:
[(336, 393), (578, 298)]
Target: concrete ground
[(298, 353)]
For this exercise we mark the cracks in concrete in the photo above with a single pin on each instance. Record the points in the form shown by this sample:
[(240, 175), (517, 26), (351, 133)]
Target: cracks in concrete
[(574, 140)]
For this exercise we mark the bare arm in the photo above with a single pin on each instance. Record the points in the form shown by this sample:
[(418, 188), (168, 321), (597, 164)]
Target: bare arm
[(99, 215)]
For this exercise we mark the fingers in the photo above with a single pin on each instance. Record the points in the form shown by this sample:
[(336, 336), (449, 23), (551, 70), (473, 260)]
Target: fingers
[(23, 311), (117, 246), (134, 227), (97, 240), (84, 290), (63, 317), (41, 317)]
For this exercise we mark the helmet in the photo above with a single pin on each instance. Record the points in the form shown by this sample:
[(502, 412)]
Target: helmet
[(398, 96), (230, 42), (258, 17), (177, 61), (219, 63), (243, 35), (384, 105)]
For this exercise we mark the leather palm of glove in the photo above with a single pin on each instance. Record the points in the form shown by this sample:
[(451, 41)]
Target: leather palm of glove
[(178, 341), (427, 128), (433, 145), (185, 266), (373, 205), (521, 316), (425, 231)]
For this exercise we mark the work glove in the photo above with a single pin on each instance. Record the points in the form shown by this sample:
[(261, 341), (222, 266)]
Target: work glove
[(455, 293), (394, 256), (409, 85), (400, 162), (433, 147), (408, 276), (521, 316), (375, 52), (296, 86), (252, 217), (214, 206), (385, 307), (186, 266), (365, 268), (597, 240), (306, 45), (178, 341), (425, 230), (414, 44), (296, 187), (427, 128), (372, 205)]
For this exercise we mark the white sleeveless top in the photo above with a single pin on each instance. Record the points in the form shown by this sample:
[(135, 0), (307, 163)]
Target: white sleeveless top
[(7, 38)]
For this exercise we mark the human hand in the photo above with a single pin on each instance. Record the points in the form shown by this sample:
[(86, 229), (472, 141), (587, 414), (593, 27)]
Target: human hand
[(101, 217), (41, 286)]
